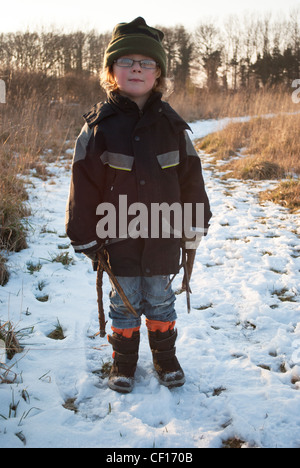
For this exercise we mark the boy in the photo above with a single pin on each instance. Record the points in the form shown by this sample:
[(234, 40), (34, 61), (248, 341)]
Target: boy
[(134, 152)]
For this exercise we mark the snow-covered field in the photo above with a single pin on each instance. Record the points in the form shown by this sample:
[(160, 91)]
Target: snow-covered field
[(239, 346)]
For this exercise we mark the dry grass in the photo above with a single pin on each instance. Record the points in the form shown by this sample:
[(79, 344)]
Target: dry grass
[(233, 443), (274, 140), (193, 104), (57, 333), (8, 334), (257, 168), (267, 148), (4, 274), (287, 194), (12, 207), (28, 127)]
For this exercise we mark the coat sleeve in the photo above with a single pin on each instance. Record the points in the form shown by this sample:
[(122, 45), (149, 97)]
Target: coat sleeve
[(85, 194), (193, 192)]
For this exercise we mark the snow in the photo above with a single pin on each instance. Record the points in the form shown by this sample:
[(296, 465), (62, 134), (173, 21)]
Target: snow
[(239, 346)]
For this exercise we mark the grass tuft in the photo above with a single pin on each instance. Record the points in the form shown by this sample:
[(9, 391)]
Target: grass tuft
[(57, 333), (233, 443), (4, 274), (8, 334), (287, 194)]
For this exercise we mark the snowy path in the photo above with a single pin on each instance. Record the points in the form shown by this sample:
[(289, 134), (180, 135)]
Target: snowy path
[(239, 347)]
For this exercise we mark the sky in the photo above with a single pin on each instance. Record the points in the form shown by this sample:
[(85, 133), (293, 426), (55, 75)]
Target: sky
[(73, 15)]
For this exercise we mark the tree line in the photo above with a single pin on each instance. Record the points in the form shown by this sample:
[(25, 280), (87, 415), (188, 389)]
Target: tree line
[(242, 52)]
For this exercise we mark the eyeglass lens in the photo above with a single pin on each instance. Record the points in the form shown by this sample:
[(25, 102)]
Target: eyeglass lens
[(127, 62)]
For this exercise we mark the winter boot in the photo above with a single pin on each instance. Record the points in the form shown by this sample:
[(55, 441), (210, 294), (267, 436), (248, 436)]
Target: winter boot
[(162, 337), (125, 344)]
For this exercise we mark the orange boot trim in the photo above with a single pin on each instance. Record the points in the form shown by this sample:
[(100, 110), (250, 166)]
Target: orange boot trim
[(126, 332), (156, 325)]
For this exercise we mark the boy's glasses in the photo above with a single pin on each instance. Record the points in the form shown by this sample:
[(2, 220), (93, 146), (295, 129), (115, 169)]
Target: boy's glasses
[(128, 63)]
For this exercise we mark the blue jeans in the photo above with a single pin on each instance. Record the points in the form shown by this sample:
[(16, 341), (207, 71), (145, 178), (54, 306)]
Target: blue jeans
[(147, 295)]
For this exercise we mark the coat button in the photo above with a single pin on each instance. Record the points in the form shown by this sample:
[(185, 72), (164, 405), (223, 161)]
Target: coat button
[(147, 270), (137, 138), (142, 182)]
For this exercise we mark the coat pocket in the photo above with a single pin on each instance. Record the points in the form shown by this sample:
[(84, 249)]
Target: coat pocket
[(119, 161), (170, 159)]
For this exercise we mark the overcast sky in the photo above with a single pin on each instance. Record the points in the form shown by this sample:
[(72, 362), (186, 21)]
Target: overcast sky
[(72, 15)]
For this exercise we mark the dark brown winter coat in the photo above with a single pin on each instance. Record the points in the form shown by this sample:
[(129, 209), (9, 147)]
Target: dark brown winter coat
[(149, 158)]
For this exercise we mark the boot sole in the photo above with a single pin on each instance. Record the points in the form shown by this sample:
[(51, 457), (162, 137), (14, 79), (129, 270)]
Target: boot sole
[(172, 383), (121, 385)]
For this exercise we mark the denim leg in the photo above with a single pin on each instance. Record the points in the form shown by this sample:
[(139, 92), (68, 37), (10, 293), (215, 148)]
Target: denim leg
[(159, 304), (132, 289)]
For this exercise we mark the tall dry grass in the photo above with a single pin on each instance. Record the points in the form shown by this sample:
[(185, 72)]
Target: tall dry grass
[(28, 128), (267, 146), (264, 142), (272, 139), (193, 103), (286, 194)]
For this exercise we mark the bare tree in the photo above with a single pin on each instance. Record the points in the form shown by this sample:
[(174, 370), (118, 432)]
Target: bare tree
[(96, 45), (170, 46), (244, 53), (184, 55), (208, 50), (231, 50)]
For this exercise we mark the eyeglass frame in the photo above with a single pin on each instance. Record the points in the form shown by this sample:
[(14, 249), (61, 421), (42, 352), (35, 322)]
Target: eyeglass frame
[(136, 61)]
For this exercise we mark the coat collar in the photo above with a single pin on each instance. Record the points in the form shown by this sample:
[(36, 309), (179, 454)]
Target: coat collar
[(127, 105), (153, 109), (98, 112)]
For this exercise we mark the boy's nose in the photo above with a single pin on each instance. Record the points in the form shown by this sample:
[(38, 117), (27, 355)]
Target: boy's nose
[(136, 67)]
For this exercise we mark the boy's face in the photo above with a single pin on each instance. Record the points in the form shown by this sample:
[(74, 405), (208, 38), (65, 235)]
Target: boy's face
[(136, 82)]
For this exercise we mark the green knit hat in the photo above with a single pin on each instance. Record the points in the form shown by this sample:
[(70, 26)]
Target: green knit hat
[(136, 38)]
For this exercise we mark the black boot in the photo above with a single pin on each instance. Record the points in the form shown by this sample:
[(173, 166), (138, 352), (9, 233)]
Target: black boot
[(165, 362), (121, 378)]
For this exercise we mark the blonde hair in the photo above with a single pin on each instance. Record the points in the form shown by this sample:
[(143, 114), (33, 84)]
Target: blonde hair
[(109, 84)]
